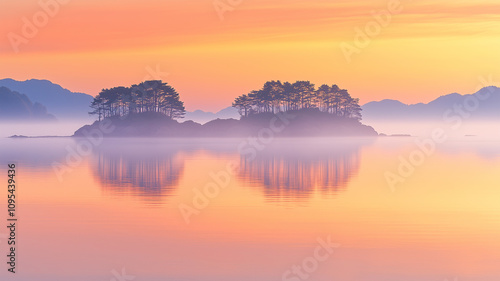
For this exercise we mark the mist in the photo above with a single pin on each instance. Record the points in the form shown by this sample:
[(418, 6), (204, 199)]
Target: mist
[(476, 128), (35, 129)]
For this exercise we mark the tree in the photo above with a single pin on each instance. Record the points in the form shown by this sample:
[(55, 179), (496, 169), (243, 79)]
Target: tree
[(273, 93), (324, 100), (276, 97), (243, 103), (98, 108), (148, 96), (304, 91)]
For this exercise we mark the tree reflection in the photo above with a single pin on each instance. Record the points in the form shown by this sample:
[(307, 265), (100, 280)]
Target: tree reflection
[(147, 171), (295, 171)]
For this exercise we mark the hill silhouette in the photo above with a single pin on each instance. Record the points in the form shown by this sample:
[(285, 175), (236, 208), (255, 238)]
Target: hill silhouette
[(300, 123), (393, 110), (16, 106), (61, 102)]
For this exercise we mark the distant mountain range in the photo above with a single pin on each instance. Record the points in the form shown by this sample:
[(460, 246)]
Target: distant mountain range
[(478, 108), (203, 117), (16, 106), (60, 102)]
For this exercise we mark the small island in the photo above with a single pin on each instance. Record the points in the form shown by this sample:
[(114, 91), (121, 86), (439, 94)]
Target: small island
[(152, 109)]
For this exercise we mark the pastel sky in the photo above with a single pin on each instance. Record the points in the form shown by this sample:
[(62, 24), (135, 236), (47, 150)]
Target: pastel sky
[(429, 48)]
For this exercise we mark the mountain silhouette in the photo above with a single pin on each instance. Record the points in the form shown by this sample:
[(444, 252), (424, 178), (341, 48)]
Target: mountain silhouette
[(202, 117), (479, 108), (16, 106), (60, 102)]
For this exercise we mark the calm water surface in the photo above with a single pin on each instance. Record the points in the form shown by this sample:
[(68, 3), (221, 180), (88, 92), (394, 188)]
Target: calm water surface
[(161, 209)]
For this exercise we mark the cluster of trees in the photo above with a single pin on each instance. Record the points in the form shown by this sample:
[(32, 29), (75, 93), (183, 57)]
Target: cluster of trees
[(277, 97), (148, 96)]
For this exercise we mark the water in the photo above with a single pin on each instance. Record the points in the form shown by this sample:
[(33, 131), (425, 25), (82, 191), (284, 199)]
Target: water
[(134, 207)]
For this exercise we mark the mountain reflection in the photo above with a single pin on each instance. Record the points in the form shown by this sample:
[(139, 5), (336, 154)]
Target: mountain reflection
[(151, 172), (288, 172)]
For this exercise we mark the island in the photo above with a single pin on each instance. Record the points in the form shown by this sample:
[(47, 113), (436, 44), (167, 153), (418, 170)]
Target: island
[(153, 108)]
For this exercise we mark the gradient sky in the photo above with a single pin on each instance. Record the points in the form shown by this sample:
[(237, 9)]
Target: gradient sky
[(431, 48)]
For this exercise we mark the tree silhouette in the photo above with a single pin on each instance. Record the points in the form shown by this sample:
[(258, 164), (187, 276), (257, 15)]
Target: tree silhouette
[(277, 97), (244, 104), (148, 96)]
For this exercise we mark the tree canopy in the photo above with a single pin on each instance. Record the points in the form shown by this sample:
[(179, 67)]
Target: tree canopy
[(277, 97), (148, 96)]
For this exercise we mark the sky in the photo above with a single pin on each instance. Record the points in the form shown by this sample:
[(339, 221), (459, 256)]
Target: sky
[(212, 51)]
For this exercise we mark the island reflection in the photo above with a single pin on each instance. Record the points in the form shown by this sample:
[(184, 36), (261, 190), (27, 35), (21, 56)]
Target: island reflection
[(150, 172), (282, 171), (286, 173)]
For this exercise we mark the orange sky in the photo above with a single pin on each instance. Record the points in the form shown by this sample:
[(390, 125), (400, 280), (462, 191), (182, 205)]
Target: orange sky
[(430, 48)]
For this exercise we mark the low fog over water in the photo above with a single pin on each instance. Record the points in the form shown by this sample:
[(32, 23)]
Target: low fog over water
[(32, 129)]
